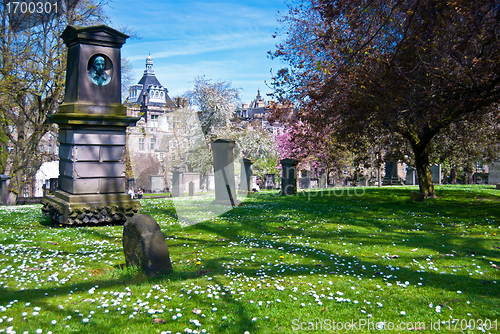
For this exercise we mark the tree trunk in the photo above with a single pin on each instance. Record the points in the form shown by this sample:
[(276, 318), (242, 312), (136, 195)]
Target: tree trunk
[(469, 170), (424, 170), (453, 175)]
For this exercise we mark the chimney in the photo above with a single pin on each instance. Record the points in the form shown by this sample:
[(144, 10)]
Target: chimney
[(184, 102)]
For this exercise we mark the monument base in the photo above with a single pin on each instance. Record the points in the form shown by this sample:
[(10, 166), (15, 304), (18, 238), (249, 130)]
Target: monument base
[(245, 192), (226, 202), (89, 209)]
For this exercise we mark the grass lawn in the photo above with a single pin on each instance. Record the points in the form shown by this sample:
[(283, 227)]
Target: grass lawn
[(360, 260)]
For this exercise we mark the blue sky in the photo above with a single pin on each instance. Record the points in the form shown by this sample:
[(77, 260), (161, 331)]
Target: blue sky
[(220, 40)]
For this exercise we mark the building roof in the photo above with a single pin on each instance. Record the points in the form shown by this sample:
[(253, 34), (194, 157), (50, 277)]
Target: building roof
[(148, 81)]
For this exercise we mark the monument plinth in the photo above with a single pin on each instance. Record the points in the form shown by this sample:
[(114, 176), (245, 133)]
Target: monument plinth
[(92, 133)]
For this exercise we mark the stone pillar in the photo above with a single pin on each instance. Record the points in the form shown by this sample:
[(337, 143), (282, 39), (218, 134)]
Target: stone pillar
[(177, 188), (289, 177), (246, 175), (3, 188), (225, 189), (92, 137)]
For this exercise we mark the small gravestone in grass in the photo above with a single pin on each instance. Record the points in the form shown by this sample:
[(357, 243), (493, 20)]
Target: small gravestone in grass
[(145, 247)]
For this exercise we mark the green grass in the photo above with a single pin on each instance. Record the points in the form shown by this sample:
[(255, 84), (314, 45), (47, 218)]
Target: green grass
[(269, 266)]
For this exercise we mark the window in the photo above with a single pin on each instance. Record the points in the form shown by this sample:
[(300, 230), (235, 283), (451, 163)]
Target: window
[(160, 156), (141, 144), (174, 144), (184, 144), (172, 156), (154, 121), (152, 144), (50, 149), (42, 148)]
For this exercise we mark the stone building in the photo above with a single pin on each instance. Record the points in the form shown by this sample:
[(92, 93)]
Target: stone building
[(156, 143)]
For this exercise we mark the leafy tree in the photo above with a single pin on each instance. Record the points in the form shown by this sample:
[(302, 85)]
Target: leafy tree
[(392, 68), (255, 143), (33, 64), (215, 102)]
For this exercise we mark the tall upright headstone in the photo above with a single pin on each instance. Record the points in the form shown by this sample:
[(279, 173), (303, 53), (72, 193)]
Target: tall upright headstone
[(289, 176), (177, 185), (246, 176), (436, 174), (305, 180), (411, 176), (225, 189), (494, 177), (3, 188), (92, 123)]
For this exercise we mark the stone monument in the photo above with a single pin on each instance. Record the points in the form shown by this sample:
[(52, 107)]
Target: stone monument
[(494, 177), (144, 246), (177, 185), (436, 174), (225, 188), (289, 176), (3, 188), (246, 175), (92, 137)]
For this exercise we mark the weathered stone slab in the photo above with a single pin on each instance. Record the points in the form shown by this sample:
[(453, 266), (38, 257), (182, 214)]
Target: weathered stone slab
[(86, 153), (81, 186), (92, 185), (92, 137), (112, 153), (77, 170), (416, 196), (144, 246), (156, 182), (436, 174), (289, 176), (494, 177)]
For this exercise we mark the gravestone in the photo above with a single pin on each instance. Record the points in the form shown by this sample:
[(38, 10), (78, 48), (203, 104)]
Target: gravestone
[(494, 177), (189, 177), (246, 175), (416, 196), (225, 189), (269, 181), (436, 174), (144, 246), (289, 177), (392, 173), (254, 182), (305, 180), (323, 181), (156, 182), (177, 185), (3, 188), (411, 176), (191, 188), (211, 182), (92, 133)]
